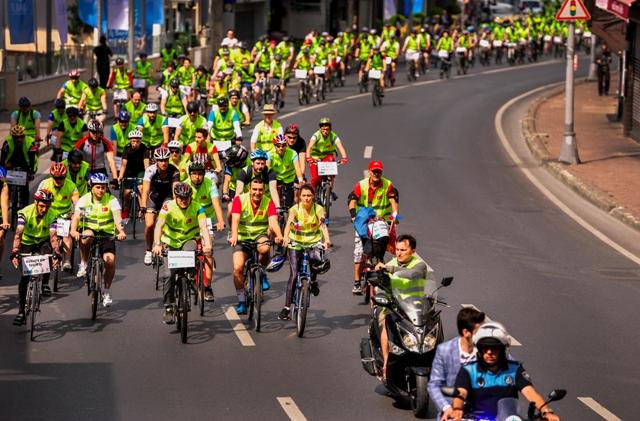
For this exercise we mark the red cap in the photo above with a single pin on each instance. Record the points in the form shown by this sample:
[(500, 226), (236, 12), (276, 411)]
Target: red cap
[(376, 165)]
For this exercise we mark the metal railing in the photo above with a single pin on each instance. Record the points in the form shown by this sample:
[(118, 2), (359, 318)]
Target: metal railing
[(32, 65)]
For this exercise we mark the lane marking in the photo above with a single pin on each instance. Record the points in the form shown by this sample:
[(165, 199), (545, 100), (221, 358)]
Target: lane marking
[(514, 341), (599, 409), (291, 409), (238, 327), (368, 152), (564, 208)]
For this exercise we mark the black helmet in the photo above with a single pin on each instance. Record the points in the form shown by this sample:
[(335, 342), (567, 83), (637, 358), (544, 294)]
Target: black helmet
[(182, 190), (119, 61), (192, 107), (59, 103), (75, 156), (72, 111), (142, 54), (223, 102), (236, 155), (196, 166), (93, 82), (234, 92), (201, 68), (171, 64), (321, 267), (175, 83), (24, 102)]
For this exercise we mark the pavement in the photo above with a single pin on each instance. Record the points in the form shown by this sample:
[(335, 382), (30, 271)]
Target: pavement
[(609, 173)]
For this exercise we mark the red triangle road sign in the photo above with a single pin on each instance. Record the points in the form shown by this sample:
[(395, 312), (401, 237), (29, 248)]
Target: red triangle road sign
[(573, 10)]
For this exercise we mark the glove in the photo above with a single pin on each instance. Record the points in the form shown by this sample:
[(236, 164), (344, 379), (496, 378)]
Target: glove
[(310, 160), (344, 160)]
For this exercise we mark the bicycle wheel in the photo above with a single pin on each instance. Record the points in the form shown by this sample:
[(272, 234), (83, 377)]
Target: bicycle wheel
[(200, 294), (95, 289), (34, 307), (156, 266), (301, 95), (366, 292), (326, 199), (251, 283), (257, 296), (303, 305), (133, 212), (183, 308), (56, 277)]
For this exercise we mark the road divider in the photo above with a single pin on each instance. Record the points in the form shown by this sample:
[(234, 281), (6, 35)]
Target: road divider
[(599, 409), (238, 327), (291, 409), (514, 341)]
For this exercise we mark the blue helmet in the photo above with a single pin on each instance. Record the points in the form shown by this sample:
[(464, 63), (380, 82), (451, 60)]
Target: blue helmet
[(98, 178), (3, 173), (124, 116), (259, 154)]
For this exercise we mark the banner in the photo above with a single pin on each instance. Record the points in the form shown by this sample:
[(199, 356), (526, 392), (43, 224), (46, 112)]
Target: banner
[(61, 20), (118, 15), (389, 9), (20, 17), (417, 6), (406, 9)]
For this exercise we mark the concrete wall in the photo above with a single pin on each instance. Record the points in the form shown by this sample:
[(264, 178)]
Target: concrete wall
[(39, 91)]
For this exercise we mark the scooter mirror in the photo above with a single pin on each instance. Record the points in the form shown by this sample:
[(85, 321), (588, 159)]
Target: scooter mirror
[(381, 300), (557, 394), (446, 281)]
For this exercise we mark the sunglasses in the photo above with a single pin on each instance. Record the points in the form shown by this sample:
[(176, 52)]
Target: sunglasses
[(59, 178), (200, 173), (162, 160), (173, 150), (281, 146), (134, 140)]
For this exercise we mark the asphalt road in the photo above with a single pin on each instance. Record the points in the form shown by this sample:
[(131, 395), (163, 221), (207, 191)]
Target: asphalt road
[(561, 292)]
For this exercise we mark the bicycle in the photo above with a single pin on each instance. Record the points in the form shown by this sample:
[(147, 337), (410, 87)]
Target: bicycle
[(376, 91), (254, 272), (327, 170), (411, 68), (304, 94), (379, 239), (319, 85), (63, 224), (363, 84), (131, 183), (35, 266), (95, 271), (275, 92), (156, 262), (445, 64), (302, 291)]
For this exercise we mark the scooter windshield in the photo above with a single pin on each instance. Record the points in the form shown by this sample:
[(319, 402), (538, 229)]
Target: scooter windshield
[(417, 308)]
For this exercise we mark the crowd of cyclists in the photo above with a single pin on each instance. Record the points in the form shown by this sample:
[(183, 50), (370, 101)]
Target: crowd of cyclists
[(181, 166)]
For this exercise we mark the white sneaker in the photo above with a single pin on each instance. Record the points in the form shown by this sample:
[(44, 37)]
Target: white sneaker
[(148, 258), (82, 270), (106, 299)]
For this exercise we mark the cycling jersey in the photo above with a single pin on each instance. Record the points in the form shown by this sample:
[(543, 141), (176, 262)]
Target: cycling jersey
[(161, 183), (202, 154), (94, 153), (62, 197), (135, 160), (247, 174)]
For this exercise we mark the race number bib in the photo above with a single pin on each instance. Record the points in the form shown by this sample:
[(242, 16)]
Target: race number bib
[(319, 70), (35, 265), (327, 168), (300, 74), (139, 83), (62, 227), (222, 145), (443, 54), (388, 60), (181, 259), (17, 178), (173, 122), (375, 74), (378, 229), (484, 43)]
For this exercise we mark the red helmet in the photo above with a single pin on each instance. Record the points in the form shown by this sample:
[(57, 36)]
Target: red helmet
[(58, 169), (43, 196), (279, 139), (74, 73), (292, 129)]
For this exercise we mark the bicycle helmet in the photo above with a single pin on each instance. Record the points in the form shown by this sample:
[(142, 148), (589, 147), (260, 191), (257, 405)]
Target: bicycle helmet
[(17, 131), (192, 107), (201, 68), (151, 108), (175, 144), (236, 155), (229, 69), (135, 134), (223, 102), (161, 154), (196, 166), (259, 154), (142, 54), (491, 333), (98, 178), (220, 76), (234, 92), (175, 83), (3, 173), (59, 103), (74, 74), (321, 267), (93, 83), (75, 156), (279, 139), (58, 170), (276, 263), (325, 121), (292, 128), (364, 29), (94, 126), (182, 190), (124, 116), (72, 112), (43, 195), (24, 102), (119, 61)]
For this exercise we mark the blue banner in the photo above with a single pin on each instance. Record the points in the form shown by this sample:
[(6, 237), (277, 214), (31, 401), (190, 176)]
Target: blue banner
[(154, 14), (20, 17), (406, 9), (417, 6)]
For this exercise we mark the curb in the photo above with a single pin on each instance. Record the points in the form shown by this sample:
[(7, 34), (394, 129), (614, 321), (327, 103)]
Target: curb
[(559, 170)]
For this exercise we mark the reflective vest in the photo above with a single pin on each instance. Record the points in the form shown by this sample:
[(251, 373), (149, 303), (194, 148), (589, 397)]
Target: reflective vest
[(445, 44), (181, 225), (121, 79), (27, 121), (57, 117), (412, 43), (27, 143), (79, 178), (376, 61), (305, 229), (202, 195), (173, 105), (94, 99), (73, 92), (222, 128), (35, 232), (143, 70), (136, 112), (166, 78), (185, 75), (266, 134), (62, 203), (324, 146), (391, 49), (167, 56), (189, 127), (98, 215), (252, 225), (380, 202), (122, 136), (284, 166), (71, 134), (151, 131), (404, 288), (303, 62), (365, 49)]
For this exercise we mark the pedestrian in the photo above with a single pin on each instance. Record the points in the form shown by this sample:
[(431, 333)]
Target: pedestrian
[(103, 57), (603, 62)]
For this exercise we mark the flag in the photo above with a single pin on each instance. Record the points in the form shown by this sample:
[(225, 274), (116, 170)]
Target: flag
[(20, 17), (389, 9), (118, 15)]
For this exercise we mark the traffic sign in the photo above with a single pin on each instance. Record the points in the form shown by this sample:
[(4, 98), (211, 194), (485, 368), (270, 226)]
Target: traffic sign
[(573, 10)]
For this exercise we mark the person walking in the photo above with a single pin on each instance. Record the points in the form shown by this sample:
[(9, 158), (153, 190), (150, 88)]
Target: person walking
[(103, 55), (603, 63)]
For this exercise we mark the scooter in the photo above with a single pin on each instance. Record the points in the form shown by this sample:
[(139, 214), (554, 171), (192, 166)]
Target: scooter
[(414, 330)]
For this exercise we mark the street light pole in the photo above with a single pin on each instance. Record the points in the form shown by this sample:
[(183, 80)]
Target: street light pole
[(569, 148)]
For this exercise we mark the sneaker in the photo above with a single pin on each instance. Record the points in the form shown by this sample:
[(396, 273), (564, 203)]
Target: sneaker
[(106, 300), (265, 284), (284, 314), (334, 196), (82, 270), (148, 257), (168, 317), (208, 295), (66, 266), (20, 319), (281, 104), (315, 290), (241, 308), (357, 288), (46, 291)]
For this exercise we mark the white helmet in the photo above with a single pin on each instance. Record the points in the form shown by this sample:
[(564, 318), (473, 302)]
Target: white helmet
[(151, 108), (175, 144), (135, 134), (491, 333)]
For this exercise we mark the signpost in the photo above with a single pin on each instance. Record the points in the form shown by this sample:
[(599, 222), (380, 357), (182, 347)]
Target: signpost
[(571, 10)]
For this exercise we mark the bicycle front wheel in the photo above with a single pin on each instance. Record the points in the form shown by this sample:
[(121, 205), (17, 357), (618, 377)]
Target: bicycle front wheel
[(303, 305), (95, 291), (133, 213), (326, 199), (183, 309), (34, 307), (257, 296), (200, 295)]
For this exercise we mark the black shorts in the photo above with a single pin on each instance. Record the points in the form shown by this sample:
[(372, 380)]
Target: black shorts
[(106, 245), (245, 249), (155, 202)]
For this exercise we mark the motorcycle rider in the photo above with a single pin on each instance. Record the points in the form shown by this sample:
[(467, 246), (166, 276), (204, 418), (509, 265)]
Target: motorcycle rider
[(492, 377)]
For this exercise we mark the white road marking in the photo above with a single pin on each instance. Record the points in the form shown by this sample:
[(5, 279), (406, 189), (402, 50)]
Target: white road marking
[(291, 409), (599, 409), (238, 327), (514, 341), (9, 375), (368, 152), (564, 208)]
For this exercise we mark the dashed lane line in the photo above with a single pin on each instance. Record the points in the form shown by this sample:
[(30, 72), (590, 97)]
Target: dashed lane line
[(368, 152), (514, 341), (238, 327), (599, 409), (291, 409)]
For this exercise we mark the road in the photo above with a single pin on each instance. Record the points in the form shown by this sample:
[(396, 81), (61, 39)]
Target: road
[(561, 292)]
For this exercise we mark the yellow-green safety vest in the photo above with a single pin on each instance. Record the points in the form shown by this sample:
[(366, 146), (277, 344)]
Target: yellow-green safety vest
[(79, 178), (404, 288), (202, 195), (181, 225), (222, 128), (305, 227), (98, 215), (26, 146), (94, 99), (152, 135), (324, 146), (380, 202), (35, 232), (122, 79), (189, 127), (253, 224), (266, 134), (284, 166), (73, 92), (62, 203), (27, 121)]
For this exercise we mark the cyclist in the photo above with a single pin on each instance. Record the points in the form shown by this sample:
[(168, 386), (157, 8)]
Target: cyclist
[(134, 163), (168, 54), (167, 76), (284, 162), (172, 101), (27, 117), (206, 193), (4, 209), (176, 159), (65, 195), (55, 117), (425, 46), (135, 107), (323, 146), (391, 49), (239, 107), (225, 123), (20, 151), (298, 144), (71, 90), (445, 42), (411, 49), (363, 51), (95, 148), (203, 151), (376, 192), (35, 233), (253, 215), (143, 71), (186, 75), (77, 171), (259, 169), (189, 123), (304, 61), (119, 132), (501, 377), (151, 127), (280, 71), (264, 131), (98, 214), (306, 227), (68, 132), (120, 79), (376, 62), (237, 157), (157, 186), (94, 101), (247, 74), (182, 220)]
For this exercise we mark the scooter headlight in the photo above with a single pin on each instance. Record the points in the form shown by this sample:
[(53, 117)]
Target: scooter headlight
[(430, 340), (409, 340)]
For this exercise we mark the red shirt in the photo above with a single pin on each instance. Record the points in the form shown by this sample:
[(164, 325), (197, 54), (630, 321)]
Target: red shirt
[(202, 154), (372, 190), (94, 153), (236, 207)]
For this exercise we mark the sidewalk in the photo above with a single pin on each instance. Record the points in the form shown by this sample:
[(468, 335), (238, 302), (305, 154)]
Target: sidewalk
[(609, 175)]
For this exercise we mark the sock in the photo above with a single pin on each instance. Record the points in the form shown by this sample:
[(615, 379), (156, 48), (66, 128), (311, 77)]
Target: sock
[(240, 294)]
